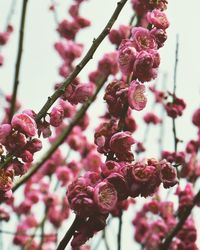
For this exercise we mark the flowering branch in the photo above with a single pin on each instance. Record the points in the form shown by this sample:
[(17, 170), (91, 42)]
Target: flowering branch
[(18, 62), (85, 60), (63, 243), (183, 217), (62, 137), (174, 93)]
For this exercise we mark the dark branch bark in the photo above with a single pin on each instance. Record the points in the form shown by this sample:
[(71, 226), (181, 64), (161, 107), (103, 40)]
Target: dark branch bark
[(18, 62), (61, 138), (85, 60), (183, 217)]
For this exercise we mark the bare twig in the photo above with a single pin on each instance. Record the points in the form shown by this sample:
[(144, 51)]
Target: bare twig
[(18, 62), (183, 217), (84, 61), (119, 233), (61, 138), (174, 94), (67, 237)]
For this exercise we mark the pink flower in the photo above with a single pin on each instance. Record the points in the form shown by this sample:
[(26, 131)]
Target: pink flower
[(5, 130), (127, 56), (6, 178), (68, 29), (136, 97), (1, 60), (105, 196), (116, 36), (56, 116), (142, 39), (4, 36), (108, 65), (63, 174), (160, 36), (121, 142), (168, 174), (196, 118), (82, 93), (150, 117), (68, 50), (109, 167), (25, 124), (158, 19)]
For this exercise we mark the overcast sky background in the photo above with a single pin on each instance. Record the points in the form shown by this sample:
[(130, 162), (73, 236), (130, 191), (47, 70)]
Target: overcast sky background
[(40, 61)]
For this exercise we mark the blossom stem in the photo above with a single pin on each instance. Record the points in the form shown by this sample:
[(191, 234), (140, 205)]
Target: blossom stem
[(174, 94), (62, 137), (18, 62), (119, 233), (84, 61), (67, 237), (183, 217)]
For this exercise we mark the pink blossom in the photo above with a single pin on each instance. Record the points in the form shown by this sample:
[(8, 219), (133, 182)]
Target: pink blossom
[(25, 124), (121, 142), (168, 174), (82, 93), (158, 19), (63, 174), (152, 118), (4, 36), (142, 39), (127, 56), (105, 196), (5, 130), (1, 60), (56, 116), (69, 50), (196, 118), (117, 35), (108, 65), (136, 97), (160, 36), (68, 29)]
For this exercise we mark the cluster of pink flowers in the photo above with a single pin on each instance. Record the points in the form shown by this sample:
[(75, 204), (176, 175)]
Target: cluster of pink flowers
[(4, 38), (17, 139), (97, 194), (156, 219)]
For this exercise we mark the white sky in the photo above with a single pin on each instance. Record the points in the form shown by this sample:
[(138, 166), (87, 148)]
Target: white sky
[(40, 62)]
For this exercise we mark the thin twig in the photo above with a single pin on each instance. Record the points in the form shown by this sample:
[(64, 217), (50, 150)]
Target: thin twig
[(105, 239), (119, 233), (84, 61), (27, 235), (62, 137), (174, 94), (55, 14), (67, 237), (18, 62), (183, 217)]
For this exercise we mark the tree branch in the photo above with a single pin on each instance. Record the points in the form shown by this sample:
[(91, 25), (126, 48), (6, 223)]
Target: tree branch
[(18, 62), (174, 94), (119, 233), (183, 217), (84, 61), (63, 243), (62, 137)]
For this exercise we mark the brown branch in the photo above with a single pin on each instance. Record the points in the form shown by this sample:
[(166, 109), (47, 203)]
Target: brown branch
[(174, 94), (84, 61), (18, 62), (119, 233), (183, 217), (62, 137), (67, 237)]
